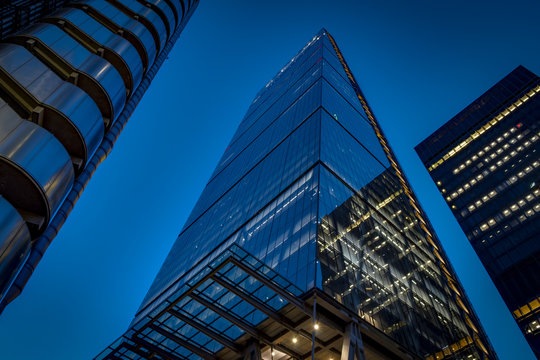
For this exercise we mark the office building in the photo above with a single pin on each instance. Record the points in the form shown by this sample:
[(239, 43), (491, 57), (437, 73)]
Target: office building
[(485, 162), (307, 242), (70, 77)]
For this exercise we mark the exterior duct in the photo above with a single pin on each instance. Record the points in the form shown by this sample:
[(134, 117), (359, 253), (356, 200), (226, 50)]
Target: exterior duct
[(60, 92), (15, 243), (59, 106)]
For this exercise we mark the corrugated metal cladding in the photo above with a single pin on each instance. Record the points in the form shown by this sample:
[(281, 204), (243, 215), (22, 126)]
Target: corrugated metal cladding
[(65, 79)]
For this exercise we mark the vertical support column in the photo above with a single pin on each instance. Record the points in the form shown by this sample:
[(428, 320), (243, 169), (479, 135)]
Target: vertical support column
[(314, 327), (252, 352), (353, 347)]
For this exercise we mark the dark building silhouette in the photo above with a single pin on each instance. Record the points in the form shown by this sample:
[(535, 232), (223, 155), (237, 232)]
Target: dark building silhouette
[(307, 241), (71, 74), (485, 162)]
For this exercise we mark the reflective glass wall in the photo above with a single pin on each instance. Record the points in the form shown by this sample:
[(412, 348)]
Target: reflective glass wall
[(309, 186), (485, 163)]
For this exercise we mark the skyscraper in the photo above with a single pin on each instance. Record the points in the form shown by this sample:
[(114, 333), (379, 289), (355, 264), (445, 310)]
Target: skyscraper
[(307, 241), (68, 84), (485, 163)]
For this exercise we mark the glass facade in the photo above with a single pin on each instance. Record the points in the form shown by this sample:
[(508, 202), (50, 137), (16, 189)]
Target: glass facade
[(485, 163), (309, 189)]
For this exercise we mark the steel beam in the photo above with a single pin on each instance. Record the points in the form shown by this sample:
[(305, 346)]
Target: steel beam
[(154, 349), (189, 346), (207, 331), (276, 288), (243, 325)]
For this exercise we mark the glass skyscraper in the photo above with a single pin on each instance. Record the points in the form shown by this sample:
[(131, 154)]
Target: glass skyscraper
[(306, 242), (71, 74), (485, 162)]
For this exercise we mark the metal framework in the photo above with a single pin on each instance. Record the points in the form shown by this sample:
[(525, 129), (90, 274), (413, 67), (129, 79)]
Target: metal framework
[(238, 308)]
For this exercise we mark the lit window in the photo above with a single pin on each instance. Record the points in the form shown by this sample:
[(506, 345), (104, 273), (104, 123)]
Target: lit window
[(529, 197), (492, 193), (474, 158), (471, 207), (484, 227), (506, 146), (514, 207), (521, 202), (480, 153), (499, 139), (485, 198), (466, 186), (521, 174), (530, 212), (468, 162), (506, 212), (491, 222), (492, 167), (506, 134)]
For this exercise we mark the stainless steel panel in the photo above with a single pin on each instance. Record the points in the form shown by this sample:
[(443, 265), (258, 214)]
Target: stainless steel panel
[(73, 117), (177, 9), (165, 12), (111, 91), (35, 170), (107, 39), (124, 21), (15, 243), (151, 16)]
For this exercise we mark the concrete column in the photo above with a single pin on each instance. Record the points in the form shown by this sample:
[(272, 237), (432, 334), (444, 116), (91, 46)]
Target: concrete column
[(353, 347), (252, 352)]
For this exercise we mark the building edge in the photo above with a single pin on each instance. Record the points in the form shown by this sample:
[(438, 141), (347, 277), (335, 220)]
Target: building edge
[(436, 246), (44, 240)]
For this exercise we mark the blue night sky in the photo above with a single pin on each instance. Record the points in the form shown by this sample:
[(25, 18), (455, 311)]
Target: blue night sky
[(419, 63)]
